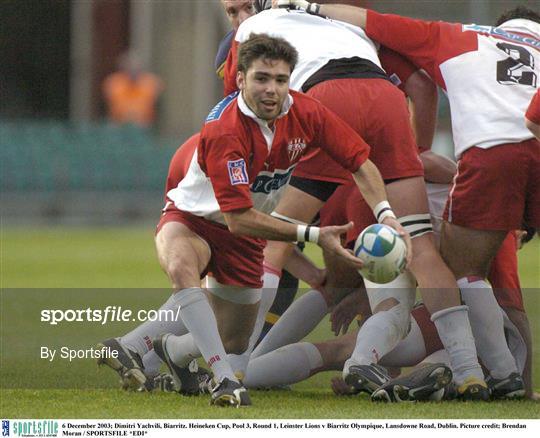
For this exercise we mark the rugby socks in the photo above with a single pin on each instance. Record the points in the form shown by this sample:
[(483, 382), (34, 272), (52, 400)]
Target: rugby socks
[(151, 364), (377, 336), (199, 318), (140, 339), (456, 335), (286, 292), (409, 351), (182, 349), (270, 285), (487, 327), (297, 322), (239, 362), (284, 366)]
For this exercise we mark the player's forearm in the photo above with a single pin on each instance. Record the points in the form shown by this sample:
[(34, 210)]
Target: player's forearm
[(346, 13), (424, 99), (300, 266), (370, 183), (533, 127), (438, 169), (253, 223)]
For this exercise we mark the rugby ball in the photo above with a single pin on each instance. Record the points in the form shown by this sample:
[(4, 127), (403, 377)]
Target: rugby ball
[(383, 252)]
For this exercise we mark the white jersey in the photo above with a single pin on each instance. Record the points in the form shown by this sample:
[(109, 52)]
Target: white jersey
[(317, 40), (489, 73)]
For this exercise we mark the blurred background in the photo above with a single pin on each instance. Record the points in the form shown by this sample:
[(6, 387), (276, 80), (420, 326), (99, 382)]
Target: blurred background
[(68, 151)]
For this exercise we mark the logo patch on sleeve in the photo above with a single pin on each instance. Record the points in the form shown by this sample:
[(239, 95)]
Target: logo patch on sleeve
[(237, 172)]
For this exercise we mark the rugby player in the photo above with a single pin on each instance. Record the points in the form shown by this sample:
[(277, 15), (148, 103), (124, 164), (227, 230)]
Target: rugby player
[(217, 220)]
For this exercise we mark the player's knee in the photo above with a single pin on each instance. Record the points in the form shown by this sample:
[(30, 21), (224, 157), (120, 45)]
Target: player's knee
[(401, 318), (237, 344), (179, 270)]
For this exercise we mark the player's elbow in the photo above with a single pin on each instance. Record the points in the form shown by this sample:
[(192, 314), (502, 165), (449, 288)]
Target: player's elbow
[(236, 222), (533, 127), (420, 87)]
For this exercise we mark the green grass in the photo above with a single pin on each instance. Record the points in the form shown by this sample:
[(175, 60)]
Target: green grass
[(92, 265)]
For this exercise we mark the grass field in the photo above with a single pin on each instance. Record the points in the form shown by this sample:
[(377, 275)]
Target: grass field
[(77, 268)]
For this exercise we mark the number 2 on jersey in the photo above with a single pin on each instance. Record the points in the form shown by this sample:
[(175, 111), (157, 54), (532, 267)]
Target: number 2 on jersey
[(517, 69)]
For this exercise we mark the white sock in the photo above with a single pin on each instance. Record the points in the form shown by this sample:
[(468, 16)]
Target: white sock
[(140, 339), (296, 323), (284, 366), (182, 349), (409, 351), (440, 356), (270, 287), (378, 336), (239, 362), (455, 332), (151, 363), (487, 327), (201, 323)]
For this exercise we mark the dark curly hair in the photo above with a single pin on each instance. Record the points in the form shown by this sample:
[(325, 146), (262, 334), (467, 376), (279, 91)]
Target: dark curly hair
[(518, 12), (264, 46)]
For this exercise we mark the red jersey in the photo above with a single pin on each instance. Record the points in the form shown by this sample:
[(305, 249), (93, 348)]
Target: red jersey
[(241, 163), (490, 73), (533, 111)]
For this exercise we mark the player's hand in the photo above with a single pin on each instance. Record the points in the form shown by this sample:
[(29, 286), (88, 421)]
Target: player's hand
[(329, 240), (290, 4), (346, 312), (394, 223), (340, 387)]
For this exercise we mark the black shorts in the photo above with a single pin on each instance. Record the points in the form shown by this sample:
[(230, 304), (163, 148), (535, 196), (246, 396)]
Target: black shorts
[(322, 190)]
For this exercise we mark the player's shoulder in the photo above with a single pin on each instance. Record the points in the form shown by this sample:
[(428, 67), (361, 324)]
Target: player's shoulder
[(304, 103), (223, 111)]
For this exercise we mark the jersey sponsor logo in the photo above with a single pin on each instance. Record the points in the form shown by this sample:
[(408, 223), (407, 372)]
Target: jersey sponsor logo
[(268, 183), (237, 172), (295, 148), (498, 32), (394, 78), (217, 111)]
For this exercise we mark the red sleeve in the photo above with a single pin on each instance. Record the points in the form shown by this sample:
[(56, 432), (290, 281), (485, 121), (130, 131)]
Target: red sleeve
[(225, 161), (397, 67), (339, 140), (229, 70), (426, 43), (533, 112)]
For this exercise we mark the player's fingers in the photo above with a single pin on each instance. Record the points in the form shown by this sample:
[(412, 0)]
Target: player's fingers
[(342, 229), (355, 262)]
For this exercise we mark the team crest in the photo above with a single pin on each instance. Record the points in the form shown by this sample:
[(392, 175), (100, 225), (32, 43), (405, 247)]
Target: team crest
[(295, 148), (237, 172)]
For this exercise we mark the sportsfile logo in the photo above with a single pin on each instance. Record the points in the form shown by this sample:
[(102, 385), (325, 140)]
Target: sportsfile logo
[(5, 427), (34, 428)]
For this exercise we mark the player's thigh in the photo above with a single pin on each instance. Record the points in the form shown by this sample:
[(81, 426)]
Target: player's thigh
[(408, 196), (298, 205), (235, 322), (182, 254), (469, 251)]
